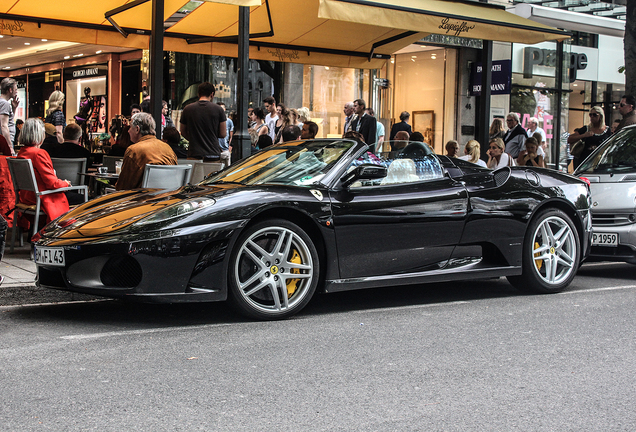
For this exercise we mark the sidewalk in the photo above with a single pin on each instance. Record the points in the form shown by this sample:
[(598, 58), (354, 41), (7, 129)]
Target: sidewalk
[(18, 287)]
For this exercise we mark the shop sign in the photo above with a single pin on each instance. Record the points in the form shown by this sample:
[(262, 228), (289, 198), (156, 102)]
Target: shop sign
[(283, 55), (85, 72), (453, 40), (456, 28), (547, 57), (501, 75), (11, 26)]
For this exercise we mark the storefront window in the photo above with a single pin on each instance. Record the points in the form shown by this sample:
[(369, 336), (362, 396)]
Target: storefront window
[(424, 83), (326, 90), (535, 94)]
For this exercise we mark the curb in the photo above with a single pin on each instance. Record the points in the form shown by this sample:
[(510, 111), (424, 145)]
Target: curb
[(22, 295)]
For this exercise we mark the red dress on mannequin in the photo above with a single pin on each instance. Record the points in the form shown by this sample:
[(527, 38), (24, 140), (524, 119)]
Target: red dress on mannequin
[(55, 204)]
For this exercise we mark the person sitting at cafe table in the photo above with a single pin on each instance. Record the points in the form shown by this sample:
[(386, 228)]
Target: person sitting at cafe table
[(31, 137), (146, 149), (71, 147)]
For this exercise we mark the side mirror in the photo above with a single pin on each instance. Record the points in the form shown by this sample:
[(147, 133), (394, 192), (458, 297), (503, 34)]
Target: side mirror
[(364, 172)]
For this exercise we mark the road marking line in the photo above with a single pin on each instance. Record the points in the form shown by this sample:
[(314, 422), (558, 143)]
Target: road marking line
[(388, 309), (138, 332), (614, 288)]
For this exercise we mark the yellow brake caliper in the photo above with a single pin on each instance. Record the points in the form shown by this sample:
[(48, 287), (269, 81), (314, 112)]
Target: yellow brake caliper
[(538, 263), (292, 284)]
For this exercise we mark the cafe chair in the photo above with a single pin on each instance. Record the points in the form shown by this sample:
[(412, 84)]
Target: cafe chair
[(23, 177), (109, 162), (166, 176), (201, 170), (70, 169)]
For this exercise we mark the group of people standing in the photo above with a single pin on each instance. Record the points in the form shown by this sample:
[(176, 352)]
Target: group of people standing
[(280, 124)]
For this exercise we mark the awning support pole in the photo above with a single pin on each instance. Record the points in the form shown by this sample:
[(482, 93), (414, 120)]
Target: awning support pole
[(484, 99), (241, 147), (556, 132), (156, 63)]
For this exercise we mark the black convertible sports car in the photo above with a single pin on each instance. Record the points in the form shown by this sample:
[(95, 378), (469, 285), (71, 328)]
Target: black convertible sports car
[(268, 232)]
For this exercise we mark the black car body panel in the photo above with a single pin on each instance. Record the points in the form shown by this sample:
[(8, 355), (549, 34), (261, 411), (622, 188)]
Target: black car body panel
[(468, 223)]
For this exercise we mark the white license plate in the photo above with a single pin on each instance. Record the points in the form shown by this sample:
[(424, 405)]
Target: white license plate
[(605, 239), (49, 256)]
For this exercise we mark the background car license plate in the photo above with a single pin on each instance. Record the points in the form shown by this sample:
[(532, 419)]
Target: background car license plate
[(49, 256), (605, 239)]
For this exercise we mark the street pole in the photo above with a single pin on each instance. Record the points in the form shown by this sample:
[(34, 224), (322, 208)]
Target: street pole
[(241, 147), (156, 63)]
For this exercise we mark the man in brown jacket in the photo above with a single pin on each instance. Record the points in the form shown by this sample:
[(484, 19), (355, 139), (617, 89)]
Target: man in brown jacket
[(147, 149)]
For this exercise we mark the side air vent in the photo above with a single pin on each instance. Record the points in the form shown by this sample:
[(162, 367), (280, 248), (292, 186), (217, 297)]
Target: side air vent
[(501, 176), (629, 178)]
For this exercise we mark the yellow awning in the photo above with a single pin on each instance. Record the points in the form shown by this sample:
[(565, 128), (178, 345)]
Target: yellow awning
[(457, 18), (346, 33), (299, 35)]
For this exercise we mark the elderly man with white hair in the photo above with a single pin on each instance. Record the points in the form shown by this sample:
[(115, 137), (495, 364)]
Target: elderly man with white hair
[(533, 128), (146, 149)]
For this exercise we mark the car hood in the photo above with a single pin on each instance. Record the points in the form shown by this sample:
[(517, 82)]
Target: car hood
[(112, 213)]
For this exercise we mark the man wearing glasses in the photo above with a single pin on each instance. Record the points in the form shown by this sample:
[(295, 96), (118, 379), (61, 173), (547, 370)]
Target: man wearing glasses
[(626, 108)]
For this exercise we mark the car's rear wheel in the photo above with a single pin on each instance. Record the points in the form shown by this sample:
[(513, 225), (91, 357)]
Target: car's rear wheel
[(551, 253), (273, 270)]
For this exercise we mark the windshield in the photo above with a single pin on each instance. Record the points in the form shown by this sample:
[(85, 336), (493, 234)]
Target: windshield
[(617, 154), (300, 163)]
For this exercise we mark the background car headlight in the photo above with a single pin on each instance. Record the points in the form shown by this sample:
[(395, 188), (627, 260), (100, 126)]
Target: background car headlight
[(176, 211)]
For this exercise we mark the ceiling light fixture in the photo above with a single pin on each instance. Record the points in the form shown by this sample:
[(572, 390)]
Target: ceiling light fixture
[(98, 52), (27, 43), (45, 40), (67, 57)]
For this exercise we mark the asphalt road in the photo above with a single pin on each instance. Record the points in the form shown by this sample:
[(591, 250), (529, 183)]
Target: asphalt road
[(473, 356)]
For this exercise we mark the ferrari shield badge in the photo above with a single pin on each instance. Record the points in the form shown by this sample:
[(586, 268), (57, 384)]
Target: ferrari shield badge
[(317, 194)]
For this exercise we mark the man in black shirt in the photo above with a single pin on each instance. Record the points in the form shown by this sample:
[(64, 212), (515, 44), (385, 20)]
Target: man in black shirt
[(71, 147), (202, 124)]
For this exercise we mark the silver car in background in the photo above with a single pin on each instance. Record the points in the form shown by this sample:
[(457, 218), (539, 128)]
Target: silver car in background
[(611, 171)]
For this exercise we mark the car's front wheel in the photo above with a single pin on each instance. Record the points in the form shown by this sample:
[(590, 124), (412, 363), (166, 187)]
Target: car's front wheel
[(273, 270), (551, 253)]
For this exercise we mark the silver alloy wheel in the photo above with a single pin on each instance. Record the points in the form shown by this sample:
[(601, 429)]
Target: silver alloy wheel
[(554, 250), (274, 269)]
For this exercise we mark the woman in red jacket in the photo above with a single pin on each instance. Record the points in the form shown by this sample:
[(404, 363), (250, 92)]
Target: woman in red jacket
[(32, 136)]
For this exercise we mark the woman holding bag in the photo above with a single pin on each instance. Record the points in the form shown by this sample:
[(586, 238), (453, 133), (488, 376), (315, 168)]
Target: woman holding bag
[(590, 136)]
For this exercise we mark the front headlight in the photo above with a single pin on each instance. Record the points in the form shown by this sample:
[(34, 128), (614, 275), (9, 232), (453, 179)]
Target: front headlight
[(176, 211)]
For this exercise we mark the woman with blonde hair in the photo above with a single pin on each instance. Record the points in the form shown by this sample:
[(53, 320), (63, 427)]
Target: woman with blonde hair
[(496, 129), (591, 136), (54, 114), (472, 152), (497, 156), (303, 115)]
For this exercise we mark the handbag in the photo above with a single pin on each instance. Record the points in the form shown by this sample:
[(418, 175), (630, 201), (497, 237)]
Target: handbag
[(577, 149)]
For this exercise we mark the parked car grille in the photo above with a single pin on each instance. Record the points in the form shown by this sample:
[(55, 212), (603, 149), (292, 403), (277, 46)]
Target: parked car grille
[(612, 219), (121, 272)]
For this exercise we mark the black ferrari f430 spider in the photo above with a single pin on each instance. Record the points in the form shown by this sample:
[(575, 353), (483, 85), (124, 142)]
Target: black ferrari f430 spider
[(321, 215)]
